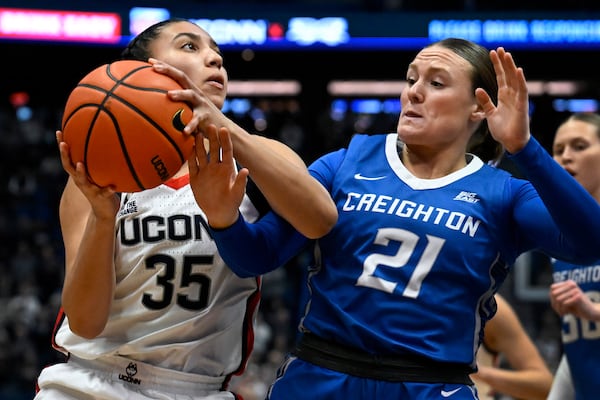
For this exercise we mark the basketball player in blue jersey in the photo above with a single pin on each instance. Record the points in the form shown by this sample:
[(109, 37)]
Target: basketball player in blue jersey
[(575, 293), (149, 308), (402, 286)]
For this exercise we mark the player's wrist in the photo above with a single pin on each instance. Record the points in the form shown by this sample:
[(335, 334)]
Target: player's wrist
[(220, 224)]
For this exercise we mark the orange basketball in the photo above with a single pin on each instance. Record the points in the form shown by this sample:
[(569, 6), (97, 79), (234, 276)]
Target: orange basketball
[(120, 123)]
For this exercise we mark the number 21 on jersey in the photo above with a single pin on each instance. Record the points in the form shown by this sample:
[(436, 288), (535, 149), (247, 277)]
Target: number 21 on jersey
[(408, 242)]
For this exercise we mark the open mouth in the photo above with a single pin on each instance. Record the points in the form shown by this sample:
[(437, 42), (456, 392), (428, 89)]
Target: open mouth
[(216, 80)]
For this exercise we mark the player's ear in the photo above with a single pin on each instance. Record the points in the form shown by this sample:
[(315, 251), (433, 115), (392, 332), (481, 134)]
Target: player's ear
[(477, 113)]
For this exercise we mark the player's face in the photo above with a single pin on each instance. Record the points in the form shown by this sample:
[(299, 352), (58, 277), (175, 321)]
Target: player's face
[(577, 149), (438, 104), (190, 48)]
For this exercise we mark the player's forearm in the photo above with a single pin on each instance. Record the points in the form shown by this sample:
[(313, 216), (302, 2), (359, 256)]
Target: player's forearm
[(300, 199), (283, 178), (587, 310), (253, 249), (595, 312), (90, 280), (527, 384)]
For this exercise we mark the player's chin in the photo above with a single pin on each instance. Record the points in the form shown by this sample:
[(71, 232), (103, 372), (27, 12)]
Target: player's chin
[(217, 99)]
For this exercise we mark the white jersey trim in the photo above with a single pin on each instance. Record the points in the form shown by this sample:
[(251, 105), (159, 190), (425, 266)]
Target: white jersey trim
[(391, 152)]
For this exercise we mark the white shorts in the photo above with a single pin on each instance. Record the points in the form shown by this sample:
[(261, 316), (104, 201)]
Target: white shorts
[(119, 378)]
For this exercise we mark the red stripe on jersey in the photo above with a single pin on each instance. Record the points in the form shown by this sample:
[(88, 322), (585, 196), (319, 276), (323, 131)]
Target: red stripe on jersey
[(248, 326), (179, 182)]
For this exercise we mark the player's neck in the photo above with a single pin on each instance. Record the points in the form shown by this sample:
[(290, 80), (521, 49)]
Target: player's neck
[(427, 163)]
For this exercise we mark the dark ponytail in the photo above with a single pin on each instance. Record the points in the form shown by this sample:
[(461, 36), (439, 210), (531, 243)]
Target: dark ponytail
[(139, 47)]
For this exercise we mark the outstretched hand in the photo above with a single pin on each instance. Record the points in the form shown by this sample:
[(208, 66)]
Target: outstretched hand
[(104, 200), (217, 185), (508, 121)]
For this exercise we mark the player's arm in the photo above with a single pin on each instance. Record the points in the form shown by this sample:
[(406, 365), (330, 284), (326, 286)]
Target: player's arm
[(88, 235), (249, 249), (567, 233), (283, 178), (528, 376), (277, 170)]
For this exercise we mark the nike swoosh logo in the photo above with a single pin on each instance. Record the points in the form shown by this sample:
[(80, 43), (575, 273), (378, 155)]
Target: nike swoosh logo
[(368, 178), (450, 393)]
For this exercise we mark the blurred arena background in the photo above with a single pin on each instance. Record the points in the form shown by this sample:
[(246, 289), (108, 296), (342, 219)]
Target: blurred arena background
[(309, 73)]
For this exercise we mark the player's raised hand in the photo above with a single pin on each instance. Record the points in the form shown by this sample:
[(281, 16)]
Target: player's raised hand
[(217, 185), (508, 121)]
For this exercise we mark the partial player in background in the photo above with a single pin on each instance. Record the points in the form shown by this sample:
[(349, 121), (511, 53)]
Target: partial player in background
[(149, 308), (575, 293), (527, 377), (401, 288)]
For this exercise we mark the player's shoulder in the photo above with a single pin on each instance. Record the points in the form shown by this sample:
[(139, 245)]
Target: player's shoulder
[(491, 173), (359, 139), (364, 146)]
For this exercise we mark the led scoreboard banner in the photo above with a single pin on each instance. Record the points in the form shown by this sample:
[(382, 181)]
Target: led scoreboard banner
[(276, 31), (60, 26), (522, 33)]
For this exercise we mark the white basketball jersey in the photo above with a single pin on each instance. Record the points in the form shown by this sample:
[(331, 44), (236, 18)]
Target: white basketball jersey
[(177, 305)]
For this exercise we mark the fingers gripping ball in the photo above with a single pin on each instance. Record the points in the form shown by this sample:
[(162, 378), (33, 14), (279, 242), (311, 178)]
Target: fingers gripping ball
[(120, 123)]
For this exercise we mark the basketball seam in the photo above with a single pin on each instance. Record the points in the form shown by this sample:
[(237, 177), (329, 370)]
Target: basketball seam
[(110, 93), (123, 82)]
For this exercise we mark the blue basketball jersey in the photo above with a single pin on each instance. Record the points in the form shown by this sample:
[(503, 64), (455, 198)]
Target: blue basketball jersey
[(580, 337), (412, 264), (410, 261)]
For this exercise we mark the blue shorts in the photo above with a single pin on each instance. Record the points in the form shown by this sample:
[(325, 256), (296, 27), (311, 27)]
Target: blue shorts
[(300, 380)]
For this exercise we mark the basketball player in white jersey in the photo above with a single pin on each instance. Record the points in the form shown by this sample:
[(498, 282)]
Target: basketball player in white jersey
[(149, 308)]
